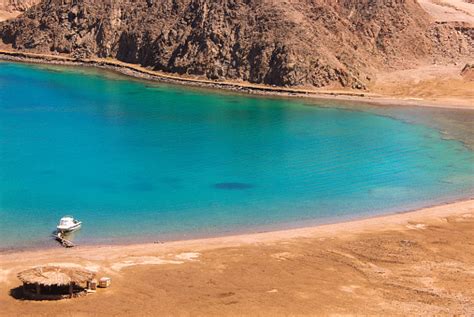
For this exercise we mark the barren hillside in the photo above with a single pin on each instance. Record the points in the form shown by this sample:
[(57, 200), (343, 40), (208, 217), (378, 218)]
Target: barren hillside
[(287, 43)]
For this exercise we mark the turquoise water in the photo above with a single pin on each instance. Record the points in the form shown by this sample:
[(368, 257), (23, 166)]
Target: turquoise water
[(139, 161)]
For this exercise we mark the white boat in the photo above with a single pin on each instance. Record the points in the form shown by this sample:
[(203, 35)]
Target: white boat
[(68, 223)]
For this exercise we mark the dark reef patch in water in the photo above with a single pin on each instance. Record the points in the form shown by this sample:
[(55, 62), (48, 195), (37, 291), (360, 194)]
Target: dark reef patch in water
[(233, 186)]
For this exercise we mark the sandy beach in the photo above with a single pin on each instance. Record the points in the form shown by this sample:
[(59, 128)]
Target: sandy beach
[(397, 265)]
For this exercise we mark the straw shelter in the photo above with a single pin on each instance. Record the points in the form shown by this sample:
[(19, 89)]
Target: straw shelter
[(54, 282)]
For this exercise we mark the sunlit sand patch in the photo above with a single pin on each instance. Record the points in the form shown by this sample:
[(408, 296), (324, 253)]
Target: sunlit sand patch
[(344, 254), (417, 226), (89, 266), (273, 291), (144, 260), (427, 281), (349, 288), (413, 98), (367, 267), (378, 270), (220, 268), (303, 295), (154, 260), (283, 256), (4, 275), (188, 256)]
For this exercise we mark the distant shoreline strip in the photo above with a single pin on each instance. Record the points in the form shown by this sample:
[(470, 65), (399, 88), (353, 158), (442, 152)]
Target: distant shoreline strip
[(138, 71)]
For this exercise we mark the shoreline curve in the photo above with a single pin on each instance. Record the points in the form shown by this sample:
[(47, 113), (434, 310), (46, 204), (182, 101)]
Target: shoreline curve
[(139, 72)]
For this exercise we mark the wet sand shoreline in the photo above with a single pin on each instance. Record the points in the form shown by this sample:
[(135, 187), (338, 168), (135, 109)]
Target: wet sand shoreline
[(284, 228), (359, 225)]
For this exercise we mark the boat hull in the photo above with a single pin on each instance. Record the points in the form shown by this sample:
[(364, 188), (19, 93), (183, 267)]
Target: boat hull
[(70, 228)]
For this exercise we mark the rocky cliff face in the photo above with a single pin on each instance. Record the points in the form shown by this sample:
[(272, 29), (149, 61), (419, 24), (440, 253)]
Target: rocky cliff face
[(288, 43)]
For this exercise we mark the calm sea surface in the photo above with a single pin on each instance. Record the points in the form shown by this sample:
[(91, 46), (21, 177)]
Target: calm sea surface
[(142, 162)]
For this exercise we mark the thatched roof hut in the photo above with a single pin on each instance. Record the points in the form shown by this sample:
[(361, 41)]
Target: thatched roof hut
[(55, 275), (54, 279)]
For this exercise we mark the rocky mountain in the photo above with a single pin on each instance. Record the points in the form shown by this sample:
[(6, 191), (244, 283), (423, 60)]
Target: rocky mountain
[(276, 42)]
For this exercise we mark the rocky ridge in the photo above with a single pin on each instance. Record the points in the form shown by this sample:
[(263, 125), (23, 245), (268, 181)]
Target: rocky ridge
[(316, 43)]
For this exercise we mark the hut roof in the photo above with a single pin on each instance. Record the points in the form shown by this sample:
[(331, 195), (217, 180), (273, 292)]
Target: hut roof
[(55, 275)]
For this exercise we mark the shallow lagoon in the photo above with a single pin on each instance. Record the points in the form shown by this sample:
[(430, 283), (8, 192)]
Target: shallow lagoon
[(137, 161)]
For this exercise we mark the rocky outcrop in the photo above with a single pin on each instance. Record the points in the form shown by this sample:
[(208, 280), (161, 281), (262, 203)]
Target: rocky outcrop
[(298, 43), (468, 72)]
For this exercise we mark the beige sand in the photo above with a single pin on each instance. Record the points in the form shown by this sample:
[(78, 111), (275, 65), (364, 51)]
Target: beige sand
[(417, 263), (5, 15), (441, 85), (449, 10)]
